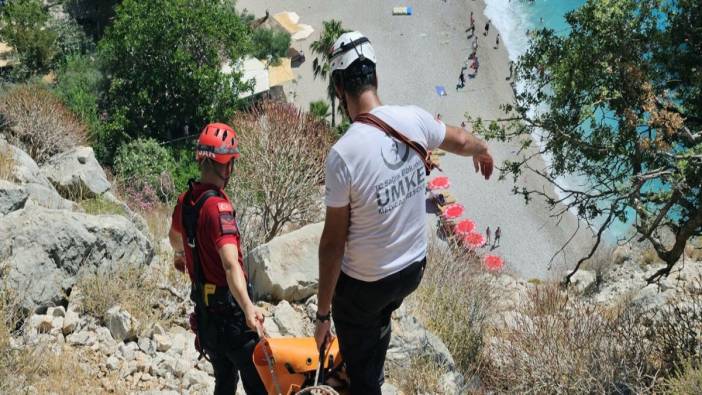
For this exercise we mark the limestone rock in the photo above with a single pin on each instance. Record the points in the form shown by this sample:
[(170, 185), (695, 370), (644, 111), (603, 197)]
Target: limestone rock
[(410, 338), (45, 249), (112, 363), (12, 197), (83, 338), (286, 268), (70, 321), (584, 280), (38, 187), (120, 323), (76, 174), (58, 311), (163, 343), (288, 320)]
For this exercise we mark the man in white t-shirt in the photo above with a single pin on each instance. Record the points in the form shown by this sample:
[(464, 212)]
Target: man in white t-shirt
[(373, 248)]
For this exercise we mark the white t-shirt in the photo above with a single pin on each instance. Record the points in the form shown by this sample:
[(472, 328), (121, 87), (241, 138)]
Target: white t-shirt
[(384, 182)]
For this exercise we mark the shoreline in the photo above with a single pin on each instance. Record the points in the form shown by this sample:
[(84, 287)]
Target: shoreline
[(416, 53)]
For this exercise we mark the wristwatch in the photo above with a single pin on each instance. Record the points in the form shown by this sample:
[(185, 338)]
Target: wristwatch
[(322, 318)]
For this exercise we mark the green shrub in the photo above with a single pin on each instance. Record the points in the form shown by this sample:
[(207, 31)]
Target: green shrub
[(145, 162), (23, 25), (185, 168), (164, 59), (269, 44), (36, 120), (71, 39), (320, 109), (78, 85)]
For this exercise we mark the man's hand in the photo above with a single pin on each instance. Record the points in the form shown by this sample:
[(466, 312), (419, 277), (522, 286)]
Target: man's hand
[(322, 333), (484, 164), (254, 317), (179, 263)]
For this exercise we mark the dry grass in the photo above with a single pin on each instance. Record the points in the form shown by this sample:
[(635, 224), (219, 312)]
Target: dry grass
[(455, 301), (558, 344), (421, 375), (649, 257), (7, 163), (281, 168), (37, 121), (687, 383), (141, 292), (98, 206), (47, 368)]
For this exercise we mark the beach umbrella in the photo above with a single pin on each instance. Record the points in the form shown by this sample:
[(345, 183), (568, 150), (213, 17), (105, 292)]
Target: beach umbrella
[(474, 240), (493, 263), (453, 211), (464, 227), (441, 182)]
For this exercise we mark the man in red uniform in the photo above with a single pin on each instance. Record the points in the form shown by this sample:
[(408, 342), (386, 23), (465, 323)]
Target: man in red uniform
[(206, 241)]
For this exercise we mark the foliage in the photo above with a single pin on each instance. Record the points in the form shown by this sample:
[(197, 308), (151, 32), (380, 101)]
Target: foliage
[(321, 67), (320, 109), (71, 39), (37, 121), (93, 15), (186, 167), (278, 177), (269, 44), (617, 103), (163, 60), (78, 85), (23, 25), (144, 165)]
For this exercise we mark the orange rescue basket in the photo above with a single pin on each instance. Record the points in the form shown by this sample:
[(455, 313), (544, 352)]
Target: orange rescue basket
[(287, 365)]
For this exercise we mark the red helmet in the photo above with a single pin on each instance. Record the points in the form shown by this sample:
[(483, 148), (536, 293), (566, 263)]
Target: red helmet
[(218, 142)]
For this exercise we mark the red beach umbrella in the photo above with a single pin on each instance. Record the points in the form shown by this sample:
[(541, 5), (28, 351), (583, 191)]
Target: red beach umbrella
[(464, 227), (474, 240), (453, 211), (441, 182), (493, 263)]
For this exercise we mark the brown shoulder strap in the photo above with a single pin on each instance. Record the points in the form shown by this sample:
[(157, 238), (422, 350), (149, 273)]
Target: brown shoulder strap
[(370, 119)]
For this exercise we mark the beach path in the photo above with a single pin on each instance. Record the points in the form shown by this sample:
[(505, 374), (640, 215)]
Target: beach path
[(415, 54)]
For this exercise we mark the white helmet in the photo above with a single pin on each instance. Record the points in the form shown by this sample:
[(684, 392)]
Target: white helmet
[(348, 48)]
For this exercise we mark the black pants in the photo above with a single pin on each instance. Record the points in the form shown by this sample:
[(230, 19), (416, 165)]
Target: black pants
[(361, 312), (230, 347)]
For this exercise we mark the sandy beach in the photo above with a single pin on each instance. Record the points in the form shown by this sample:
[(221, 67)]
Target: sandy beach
[(416, 53)]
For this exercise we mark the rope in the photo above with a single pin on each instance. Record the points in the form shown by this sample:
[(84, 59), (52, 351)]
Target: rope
[(318, 390)]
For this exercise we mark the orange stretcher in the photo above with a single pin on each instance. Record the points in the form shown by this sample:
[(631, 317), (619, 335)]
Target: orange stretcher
[(288, 365)]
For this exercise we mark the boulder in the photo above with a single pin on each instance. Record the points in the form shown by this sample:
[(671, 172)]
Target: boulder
[(12, 197), (121, 324), (76, 174), (286, 268), (410, 338), (38, 187), (45, 250), (289, 322), (584, 280), (70, 321), (163, 342)]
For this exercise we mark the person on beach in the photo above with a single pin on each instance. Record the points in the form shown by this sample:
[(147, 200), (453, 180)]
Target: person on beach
[(475, 43), (498, 234), (472, 20), (375, 197), (206, 241), (461, 80), (511, 69), (487, 28), (488, 235), (463, 124), (497, 41)]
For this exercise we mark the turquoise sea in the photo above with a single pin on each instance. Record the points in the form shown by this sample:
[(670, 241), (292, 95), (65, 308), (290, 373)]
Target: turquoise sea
[(513, 19)]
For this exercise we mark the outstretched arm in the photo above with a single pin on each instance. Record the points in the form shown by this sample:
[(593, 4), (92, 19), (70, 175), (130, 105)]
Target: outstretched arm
[(461, 142)]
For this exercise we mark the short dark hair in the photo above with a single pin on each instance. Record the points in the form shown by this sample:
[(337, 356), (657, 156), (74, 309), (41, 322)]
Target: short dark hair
[(357, 78)]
